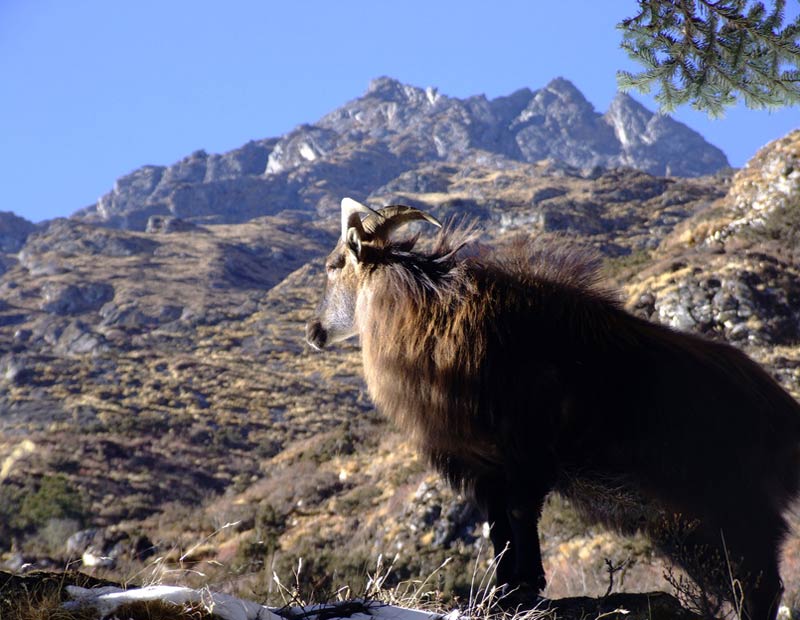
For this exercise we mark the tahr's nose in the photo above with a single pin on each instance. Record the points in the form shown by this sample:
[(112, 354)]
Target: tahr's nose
[(316, 335)]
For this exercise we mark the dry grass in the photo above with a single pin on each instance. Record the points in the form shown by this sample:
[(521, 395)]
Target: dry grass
[(46, 602)]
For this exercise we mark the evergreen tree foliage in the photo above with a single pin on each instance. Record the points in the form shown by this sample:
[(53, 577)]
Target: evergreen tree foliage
[(711, 53)]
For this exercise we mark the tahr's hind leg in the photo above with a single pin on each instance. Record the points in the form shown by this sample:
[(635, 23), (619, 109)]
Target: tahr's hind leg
[(756, 546), (736, 563), (752, 545), (763, 591)]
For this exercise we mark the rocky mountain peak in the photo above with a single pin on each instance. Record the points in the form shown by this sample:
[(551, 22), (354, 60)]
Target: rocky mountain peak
[(507, 108), (658, 143), (624, 104), (557, 101), (565, 89), (629, 118), (392, 90), (392, 129)]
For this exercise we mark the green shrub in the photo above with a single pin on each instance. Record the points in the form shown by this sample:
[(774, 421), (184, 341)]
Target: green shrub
[(55, 498), (253, 554), (10, 500), (52, 509)]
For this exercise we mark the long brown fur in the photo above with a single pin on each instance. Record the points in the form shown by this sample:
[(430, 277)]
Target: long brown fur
[(517, 375)]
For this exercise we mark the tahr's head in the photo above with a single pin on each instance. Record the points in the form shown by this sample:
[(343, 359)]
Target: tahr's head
[(360, 249)]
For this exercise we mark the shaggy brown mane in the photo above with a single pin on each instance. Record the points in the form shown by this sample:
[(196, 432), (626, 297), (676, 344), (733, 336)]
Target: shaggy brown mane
[(559, 262)]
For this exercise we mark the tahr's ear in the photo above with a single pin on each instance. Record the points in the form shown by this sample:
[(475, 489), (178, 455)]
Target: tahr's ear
[(354, 242)]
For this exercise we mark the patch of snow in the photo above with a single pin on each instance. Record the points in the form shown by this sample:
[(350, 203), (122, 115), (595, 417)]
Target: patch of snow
[(275, 161), (307, 152), (106, 600), (389, 111)]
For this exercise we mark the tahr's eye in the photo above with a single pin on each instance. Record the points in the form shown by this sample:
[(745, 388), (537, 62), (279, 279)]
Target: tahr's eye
[(336, 263)]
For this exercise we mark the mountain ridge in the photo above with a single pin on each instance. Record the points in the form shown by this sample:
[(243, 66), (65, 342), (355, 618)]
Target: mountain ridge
[(391, 129)]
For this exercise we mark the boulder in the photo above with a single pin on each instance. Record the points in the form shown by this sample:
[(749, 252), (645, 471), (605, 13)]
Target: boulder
[(71, 299)]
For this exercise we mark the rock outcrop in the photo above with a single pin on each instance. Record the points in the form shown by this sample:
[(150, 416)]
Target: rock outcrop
[(733, 269), (14, 230)]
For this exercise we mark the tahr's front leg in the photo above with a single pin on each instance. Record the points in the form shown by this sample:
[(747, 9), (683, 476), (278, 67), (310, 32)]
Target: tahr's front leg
[(514, 535), (502, 535)]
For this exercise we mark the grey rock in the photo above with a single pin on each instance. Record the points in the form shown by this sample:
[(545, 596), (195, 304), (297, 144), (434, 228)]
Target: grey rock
[(13, 369), (81, 541), (191, 169), (131, 316), (448, 517), (420, 181), (22, 335), (766, 195), (743, 305), (17, 563), (166, 224), (99, 547), (70, 299), (39, 265), (548, 192), (129, 195), (14, 230), (77, 338), (250, 159), (6, 263), (69, 237), (305, 144), (47, 329)]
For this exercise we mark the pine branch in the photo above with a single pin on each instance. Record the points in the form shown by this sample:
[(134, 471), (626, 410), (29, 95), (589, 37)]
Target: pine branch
[(712, 52)]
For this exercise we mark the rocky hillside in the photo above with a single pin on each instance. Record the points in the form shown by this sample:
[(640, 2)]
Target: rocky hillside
[(734, 268), (161, 418), (393, 128)]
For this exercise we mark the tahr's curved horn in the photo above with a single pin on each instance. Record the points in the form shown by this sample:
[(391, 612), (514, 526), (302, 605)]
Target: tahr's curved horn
[(392, 217), (350, 210)]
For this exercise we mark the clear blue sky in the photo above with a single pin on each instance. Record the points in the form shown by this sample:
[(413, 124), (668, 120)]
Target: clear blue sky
[(92, 89)]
